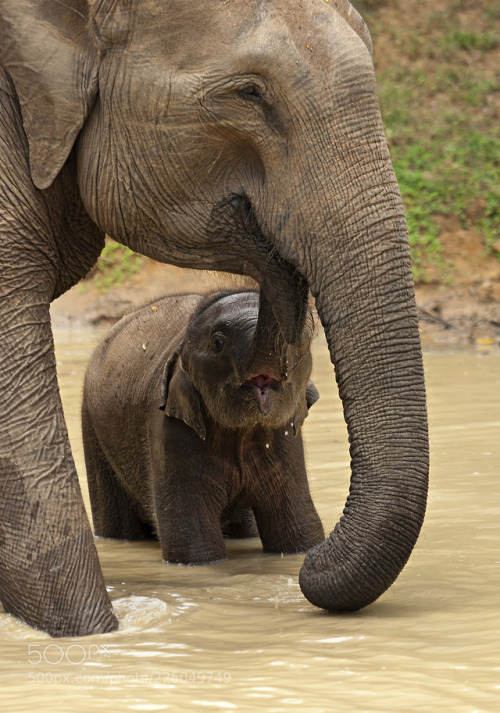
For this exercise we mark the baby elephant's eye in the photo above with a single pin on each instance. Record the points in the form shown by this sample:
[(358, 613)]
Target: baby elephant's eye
[(217, 343)]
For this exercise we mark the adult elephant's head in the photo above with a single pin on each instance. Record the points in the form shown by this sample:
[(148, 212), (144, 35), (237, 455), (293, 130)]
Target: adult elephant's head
[(246, 136)]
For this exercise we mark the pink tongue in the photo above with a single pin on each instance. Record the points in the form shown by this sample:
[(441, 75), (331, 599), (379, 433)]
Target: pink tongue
[(263, 395), (263, 384)]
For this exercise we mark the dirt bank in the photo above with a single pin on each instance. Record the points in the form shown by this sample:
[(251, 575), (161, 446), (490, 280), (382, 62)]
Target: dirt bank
[(467, 310), (465, 314)]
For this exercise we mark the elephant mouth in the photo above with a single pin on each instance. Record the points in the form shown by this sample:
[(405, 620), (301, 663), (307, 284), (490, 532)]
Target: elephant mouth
[(264, 386)]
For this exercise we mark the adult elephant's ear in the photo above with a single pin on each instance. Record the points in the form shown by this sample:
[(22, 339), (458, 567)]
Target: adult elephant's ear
[(354, 20), (181, 398), (51, 53)]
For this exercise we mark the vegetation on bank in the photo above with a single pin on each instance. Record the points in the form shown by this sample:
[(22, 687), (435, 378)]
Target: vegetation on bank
[(438, 72), (116, 265)]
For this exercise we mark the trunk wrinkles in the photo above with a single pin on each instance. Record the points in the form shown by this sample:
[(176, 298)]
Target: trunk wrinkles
[(359, 269)]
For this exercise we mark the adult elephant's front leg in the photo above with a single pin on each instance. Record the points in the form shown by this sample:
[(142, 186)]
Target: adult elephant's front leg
[(49, 571)]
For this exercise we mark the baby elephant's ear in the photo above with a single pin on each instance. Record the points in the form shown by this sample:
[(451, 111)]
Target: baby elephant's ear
[(311, 396), (182, 400)]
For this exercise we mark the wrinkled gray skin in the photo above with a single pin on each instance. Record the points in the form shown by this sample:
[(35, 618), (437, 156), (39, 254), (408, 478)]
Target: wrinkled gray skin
[(244, 136), (191, 420)]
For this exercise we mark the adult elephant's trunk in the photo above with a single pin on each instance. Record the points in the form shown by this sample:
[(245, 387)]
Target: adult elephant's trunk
[(355, 256), (273, 345), (367, 309)]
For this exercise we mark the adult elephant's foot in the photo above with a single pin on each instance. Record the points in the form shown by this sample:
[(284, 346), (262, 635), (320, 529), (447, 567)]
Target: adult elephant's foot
[(57, 595), (51, 577)]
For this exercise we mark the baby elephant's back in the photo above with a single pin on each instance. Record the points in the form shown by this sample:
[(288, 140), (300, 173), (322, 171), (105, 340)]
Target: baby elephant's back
[(125, 370)]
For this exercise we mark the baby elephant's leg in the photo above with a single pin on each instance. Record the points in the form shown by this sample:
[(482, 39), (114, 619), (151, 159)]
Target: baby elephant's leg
[(239, 524), (114, 513), (286, 517), (188, 503)]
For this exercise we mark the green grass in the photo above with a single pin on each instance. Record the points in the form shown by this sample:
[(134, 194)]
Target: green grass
[(459, 39), (439, 98), (116, 265)]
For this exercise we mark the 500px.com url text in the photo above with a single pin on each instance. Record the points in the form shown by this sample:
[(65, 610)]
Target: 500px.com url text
[(199, 678)]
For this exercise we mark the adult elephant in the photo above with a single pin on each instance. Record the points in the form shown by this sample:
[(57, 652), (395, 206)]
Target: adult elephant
[(244, 136)]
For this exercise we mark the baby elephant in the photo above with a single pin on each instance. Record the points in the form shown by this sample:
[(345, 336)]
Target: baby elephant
[(191, 422)]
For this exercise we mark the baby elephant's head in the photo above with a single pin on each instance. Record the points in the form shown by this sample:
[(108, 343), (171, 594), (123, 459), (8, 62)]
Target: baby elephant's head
[(238, 372)]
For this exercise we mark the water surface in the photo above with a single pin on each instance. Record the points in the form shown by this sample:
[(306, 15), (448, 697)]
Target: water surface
[(239, 636)]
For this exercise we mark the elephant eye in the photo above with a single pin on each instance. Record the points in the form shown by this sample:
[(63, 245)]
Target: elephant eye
[(217, 343), (250, 91)]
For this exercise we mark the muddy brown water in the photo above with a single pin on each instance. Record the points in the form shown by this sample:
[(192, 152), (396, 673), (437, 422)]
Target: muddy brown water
[(239, 636)]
